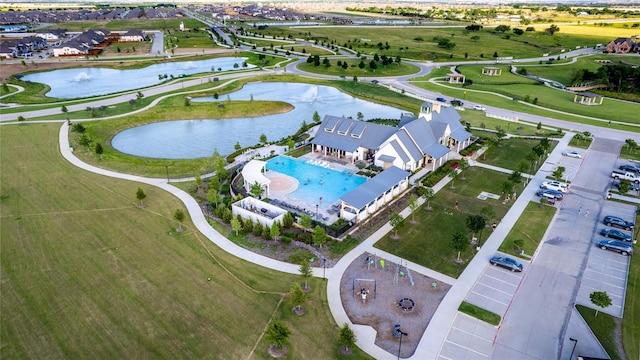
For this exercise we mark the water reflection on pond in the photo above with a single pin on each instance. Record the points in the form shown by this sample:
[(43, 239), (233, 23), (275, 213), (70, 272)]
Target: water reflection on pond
[(188, 139), (84, 82)]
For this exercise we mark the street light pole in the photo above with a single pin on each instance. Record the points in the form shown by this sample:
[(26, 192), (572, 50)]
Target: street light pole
[(324, 268), (402, 334), (166, 167), (575, 342)]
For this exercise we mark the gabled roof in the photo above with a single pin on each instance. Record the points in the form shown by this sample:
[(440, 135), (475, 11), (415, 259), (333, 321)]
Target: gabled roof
[(411, 147), (376, 186), (348, 134), (398, 149)]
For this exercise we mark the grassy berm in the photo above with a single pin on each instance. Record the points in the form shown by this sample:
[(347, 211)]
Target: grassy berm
[(87, 273)]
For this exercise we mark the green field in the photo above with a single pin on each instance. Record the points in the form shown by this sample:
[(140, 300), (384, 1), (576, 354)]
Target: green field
[(418, 42), (530, 228), (352, 69), (510, 152), (427, 242), (87, 271)]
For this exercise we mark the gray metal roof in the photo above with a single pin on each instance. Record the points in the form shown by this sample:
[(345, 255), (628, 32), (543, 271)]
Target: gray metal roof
[(398, 149), (386, 158), (376, 186), (411, 147), (422, 133), (348, 134), (460, 134), (437, 151)]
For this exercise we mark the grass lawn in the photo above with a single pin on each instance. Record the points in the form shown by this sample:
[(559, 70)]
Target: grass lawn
[(631, 320), (428, 241), (417, 42), (530, 227), (603, 326), (626, 153), (479, 119), (86, 271), (582, 143), (352, 70), (479, 313), (510, 152)]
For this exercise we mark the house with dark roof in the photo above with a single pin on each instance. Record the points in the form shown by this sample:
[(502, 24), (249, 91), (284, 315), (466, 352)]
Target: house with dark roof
[(423, 141), (132, 36), (623, 45)]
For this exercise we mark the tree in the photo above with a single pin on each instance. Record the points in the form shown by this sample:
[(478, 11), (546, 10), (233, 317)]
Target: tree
[(459, 242), (552, 29), (277, 333), (396, 221), (500, 135), (298, 296), (463, 165), (427, 194), (287, 220), (219, 164), (601, 299), (624, 186), (64, 110), (263, 138), (413, 205), (237, 146), (360, 116), (631, 144), (139, 96), (187, 101), (305, 222), (256, 190), (306, 271), (198, 179), (179, 216), (319, 236), (475, 223), (502, 28), (291, 144), (236, 225), (507, 187), (316, 117), (275, 231), (140, 195), (21, 118), (558, 172), (99, 150), (545, 144), (475, 38), (346, 337), (452, 173)]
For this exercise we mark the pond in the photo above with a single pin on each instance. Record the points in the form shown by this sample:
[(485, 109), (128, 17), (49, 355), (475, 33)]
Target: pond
[(189, 139), (84, 82)]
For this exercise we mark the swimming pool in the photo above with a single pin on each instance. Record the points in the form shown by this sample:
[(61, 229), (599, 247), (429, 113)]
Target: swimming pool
[(317, 181)]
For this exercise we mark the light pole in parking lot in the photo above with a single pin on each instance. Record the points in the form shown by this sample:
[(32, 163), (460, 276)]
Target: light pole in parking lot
[(402, 334), (575, 342)]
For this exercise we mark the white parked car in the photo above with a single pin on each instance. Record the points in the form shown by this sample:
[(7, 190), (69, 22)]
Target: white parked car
[(573, 154), (479, 107), (555, 185)]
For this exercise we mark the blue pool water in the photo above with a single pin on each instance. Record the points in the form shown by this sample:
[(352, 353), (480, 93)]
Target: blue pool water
[(316, 181)]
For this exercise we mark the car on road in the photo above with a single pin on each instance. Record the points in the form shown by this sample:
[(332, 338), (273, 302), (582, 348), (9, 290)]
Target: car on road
[(441, 99), (618, 222), (615, 234), (572, 154), (456, 102), (551, 194), (506, 262), (622, 247), (554, 185), (629, 168), (479, 107)]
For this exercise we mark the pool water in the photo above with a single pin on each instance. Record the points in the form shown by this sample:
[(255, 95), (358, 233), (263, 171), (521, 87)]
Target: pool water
[(317, 180)]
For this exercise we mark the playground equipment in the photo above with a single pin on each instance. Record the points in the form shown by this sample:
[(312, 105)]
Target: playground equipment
[(406, 304), (363, 288)]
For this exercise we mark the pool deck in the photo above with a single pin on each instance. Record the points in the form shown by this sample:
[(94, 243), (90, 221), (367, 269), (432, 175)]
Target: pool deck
[(282, 185)]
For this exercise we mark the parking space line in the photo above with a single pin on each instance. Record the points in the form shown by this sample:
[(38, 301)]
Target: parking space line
[(466, 348), (444, 357), (499, 279), (496, 289), (599, 281), (507, 272), (598, 289), (490, 298), (615, 276)]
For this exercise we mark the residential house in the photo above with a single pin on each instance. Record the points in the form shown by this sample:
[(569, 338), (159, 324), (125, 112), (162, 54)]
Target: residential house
[(132, 36), (623, 45)]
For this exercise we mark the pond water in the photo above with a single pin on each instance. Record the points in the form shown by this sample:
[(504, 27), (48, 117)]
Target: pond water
[(84, 82), (189, 139)]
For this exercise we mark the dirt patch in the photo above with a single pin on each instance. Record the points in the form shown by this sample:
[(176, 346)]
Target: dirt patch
[(381, 309)]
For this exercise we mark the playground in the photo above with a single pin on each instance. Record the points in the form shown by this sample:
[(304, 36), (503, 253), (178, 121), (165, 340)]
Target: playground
[(378, 292)]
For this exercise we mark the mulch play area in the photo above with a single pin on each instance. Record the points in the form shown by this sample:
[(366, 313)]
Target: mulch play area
[(378, 292)]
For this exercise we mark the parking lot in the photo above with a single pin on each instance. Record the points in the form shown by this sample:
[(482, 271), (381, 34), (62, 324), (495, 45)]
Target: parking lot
[(468, 339), (495, 288), (606, 270)]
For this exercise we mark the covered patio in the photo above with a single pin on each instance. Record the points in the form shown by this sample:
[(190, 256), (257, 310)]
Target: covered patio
[(252, 173)]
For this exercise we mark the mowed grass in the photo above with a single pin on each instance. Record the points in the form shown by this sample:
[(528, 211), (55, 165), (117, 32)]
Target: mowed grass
[(417, 42), (352, 69), (603, 327), (428, 241), (479, 313), (631, 320), (86, 271), (530, 227), (510, 152)]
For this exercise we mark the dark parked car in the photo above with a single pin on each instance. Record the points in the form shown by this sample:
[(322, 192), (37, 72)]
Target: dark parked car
[(629, 168), (616, 221), (622, 247), (507, 263), (615, 234), (441, 99), (551, 194)]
